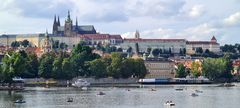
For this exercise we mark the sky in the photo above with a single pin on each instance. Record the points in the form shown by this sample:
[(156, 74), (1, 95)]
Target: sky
[(162, 19)]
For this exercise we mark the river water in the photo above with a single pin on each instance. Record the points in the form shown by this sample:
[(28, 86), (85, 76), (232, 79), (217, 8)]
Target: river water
[(124, 97)]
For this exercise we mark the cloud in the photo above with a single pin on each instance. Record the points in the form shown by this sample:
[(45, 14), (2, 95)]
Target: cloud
[(37, 8), (154, 8), (196, 11), (199, 32), (233, 19)]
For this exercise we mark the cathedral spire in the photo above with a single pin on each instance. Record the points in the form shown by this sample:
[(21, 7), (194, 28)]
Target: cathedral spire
[(55, 21), (69, 17), (58, 22)]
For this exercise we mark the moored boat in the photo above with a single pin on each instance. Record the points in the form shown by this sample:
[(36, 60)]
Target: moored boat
[(81, 83)]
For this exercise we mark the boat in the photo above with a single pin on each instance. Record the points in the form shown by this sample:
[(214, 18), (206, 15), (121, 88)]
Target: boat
[(70, 100), (198, 91), (20, 101), (101, 93), (179, 89), (187, 80), (152, 89), (80, 83), (194, 94), (226, 85), (169, 103)]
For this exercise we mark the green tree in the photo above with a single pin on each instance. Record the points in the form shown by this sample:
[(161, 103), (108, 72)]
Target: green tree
[(215, 68), (79, 58), (155, 52), (98, 68), (25, 43), (32, 65), (57, 68), (128, 67), (13, 65), (15, 44), (199, 50), (149, 50), (115, 68), (119, 50), (137, 48), (129, 50), (207, 51), (184, 50), (195, 69), (1, 74), (181, 71), (140, 69), (46, 66), (67, 69)]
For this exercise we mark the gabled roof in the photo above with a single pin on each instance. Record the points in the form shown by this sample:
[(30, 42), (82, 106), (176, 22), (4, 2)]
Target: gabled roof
[(213, 38), (84, 29)]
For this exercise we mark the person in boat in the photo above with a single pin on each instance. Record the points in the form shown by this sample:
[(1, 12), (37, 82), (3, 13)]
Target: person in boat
[(152, 89), (70, 100), (101, 93)]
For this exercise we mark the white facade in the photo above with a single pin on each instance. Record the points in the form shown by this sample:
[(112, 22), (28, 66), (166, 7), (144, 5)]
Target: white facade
[(164, 44)]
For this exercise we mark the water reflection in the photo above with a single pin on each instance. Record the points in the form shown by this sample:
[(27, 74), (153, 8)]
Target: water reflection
[(124, 97)]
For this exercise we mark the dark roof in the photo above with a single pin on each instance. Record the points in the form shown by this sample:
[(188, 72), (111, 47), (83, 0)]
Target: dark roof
[(153, 40), (213, 38), (100, 36), (201, 42), (85, 29)]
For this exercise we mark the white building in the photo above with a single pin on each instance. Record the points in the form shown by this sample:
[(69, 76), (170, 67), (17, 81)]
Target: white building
[(211, 45)]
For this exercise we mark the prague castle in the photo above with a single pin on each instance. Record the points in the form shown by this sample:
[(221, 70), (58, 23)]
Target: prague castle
[(71, 35)]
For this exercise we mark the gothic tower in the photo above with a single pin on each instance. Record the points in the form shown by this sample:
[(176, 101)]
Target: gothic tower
[(68, 26), (58, 22), (55, 26)]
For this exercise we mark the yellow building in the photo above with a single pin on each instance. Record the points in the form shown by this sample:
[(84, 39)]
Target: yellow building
[(159, 68)]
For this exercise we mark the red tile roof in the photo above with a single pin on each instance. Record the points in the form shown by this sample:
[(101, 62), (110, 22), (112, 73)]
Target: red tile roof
[(236, 63), (213, 38)]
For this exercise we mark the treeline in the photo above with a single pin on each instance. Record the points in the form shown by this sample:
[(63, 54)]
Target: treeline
[(212, 68), (64, 66)]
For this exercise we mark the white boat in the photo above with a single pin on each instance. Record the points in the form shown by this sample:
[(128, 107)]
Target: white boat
[(169, 103), (81, 83)]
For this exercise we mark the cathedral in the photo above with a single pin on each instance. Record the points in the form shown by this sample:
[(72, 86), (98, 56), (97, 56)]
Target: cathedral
[(69, 29)]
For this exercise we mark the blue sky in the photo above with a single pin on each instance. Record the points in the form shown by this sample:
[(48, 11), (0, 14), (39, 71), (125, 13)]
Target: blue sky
[(189, 19)]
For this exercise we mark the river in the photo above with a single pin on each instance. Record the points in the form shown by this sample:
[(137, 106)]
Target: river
[(124, 97)]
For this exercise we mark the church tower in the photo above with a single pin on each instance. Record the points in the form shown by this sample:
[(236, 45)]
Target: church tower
[(47, 44), (55, 26), (68, 26), (137, 34)]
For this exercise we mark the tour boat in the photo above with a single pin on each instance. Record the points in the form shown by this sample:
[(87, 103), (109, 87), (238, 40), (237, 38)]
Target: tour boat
[(187, 80), (81, 83)]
